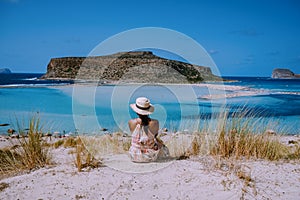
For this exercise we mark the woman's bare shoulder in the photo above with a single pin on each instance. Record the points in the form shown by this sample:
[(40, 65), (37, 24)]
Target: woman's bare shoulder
[(154, 121), (133, 122)]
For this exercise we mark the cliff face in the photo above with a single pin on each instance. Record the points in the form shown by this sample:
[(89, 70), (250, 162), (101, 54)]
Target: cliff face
[(143, 67), (63, 67), (284, 73)]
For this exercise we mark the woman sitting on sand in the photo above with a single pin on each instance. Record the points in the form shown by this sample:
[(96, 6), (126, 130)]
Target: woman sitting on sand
[(145, 146)]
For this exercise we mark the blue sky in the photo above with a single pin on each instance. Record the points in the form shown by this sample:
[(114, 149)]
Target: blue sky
[(245, 38)]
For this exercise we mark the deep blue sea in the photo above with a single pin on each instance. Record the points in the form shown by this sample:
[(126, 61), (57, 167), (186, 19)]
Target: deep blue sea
[(86, 108)]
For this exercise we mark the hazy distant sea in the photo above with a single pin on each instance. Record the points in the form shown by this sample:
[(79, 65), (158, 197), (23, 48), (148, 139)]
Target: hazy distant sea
[(23, 95)]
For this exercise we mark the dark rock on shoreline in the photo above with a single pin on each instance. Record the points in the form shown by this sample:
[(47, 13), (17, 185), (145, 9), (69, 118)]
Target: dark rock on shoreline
[(284, 74), (139, 67), (5, 71)]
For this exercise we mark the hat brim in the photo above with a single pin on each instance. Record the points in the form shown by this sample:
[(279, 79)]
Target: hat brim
[(142, 112)]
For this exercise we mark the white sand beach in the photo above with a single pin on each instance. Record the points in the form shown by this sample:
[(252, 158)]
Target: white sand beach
[(220, 91), (194, 178)]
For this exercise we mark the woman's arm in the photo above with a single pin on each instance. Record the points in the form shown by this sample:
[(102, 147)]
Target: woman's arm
[(154, 129), (154, 126)]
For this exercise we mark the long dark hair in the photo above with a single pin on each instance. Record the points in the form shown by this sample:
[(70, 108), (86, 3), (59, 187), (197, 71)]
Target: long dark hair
[(145, 119)]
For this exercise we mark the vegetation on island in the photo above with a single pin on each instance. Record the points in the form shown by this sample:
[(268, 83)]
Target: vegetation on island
[(129, 67)]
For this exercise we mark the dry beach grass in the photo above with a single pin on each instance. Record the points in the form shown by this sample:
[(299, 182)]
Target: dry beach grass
[(233, 161), (28, 153)]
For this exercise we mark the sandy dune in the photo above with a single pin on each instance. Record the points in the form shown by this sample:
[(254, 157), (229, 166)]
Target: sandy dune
[(196, 178)]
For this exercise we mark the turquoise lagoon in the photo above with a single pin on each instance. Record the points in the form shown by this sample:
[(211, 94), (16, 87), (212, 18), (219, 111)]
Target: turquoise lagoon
[(64, 107)]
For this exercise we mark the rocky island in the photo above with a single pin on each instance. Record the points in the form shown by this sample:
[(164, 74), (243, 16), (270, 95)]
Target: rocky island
[(281, 73), (5, 71), (137, 67)]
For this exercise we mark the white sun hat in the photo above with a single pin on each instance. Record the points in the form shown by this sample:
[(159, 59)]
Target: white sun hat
[(142, 106)]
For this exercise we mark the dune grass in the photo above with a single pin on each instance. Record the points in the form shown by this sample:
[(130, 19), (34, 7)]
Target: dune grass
[(68, 142), (240, 136), (232, 136), (71, 142), (83, 158), (240, 144), (28, 153), (106, 144), (58, 143)]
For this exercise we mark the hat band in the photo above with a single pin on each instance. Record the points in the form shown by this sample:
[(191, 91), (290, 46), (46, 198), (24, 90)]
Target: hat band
[(142, 108)]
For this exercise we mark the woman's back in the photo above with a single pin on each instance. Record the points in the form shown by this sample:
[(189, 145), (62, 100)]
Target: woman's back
[(143, 144), (153, 125)]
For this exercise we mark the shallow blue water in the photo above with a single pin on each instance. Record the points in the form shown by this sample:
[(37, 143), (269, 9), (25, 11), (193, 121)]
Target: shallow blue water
[(290, 85), (177, 107)]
